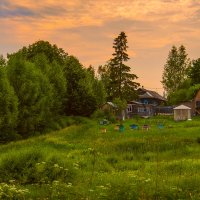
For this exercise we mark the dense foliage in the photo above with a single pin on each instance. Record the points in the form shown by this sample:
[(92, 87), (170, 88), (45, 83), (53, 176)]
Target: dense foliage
[(8, 105), (194, 72), (40, 84), (183, 94)]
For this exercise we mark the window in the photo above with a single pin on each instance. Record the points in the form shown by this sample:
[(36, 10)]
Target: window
[(129, 109), (141, 109)]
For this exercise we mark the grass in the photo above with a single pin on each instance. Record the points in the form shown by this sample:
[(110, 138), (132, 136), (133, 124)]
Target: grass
[(82, 162)]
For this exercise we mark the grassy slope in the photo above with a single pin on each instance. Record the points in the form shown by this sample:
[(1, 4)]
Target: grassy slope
[(82, 162)]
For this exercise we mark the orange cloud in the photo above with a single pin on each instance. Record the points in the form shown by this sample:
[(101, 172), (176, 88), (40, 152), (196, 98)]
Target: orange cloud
[(87, 29)]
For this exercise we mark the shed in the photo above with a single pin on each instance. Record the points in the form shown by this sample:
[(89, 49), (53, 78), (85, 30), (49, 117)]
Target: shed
[(109, 106), (182, 112)]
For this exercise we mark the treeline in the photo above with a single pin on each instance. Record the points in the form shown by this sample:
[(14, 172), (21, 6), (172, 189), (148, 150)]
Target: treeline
[(40, 83), (181, 76)]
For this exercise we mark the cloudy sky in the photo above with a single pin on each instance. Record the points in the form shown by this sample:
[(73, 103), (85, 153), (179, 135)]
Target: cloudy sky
[(86, 29)]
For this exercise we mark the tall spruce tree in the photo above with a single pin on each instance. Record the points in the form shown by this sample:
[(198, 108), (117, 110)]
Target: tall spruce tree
[(119, 81), (175, 69)]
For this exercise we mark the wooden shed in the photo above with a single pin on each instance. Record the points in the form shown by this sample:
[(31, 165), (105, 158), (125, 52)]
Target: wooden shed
[(109, 107), (182, 112)]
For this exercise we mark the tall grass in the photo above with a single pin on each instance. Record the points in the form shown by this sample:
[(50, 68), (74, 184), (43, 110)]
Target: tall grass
[(82, 162)]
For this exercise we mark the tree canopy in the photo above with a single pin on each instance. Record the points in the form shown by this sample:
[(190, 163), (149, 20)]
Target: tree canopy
[(194, 72), (116, 76), (175, 69)]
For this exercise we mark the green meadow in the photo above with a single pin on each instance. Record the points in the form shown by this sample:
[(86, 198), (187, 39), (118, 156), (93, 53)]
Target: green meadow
[(84, 162)]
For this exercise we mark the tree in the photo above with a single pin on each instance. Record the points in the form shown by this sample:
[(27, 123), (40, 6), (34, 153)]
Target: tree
[(104, 77), (55, 74), (8, 105), (34, 93), (50, 60), (2, 61), (52, 52), (119, 81), (183, 94), (97, 86), (80, 94), (175, 69), (194, 72)]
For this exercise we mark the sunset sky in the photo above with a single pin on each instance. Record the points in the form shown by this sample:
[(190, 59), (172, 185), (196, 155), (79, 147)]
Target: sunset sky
[(86, 29)]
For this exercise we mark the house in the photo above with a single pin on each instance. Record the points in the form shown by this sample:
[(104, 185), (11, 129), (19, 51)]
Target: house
[(147, 103), (150, 97), (138, 108)]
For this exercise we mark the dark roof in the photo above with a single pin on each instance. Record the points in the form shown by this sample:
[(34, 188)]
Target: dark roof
[(143, 93)]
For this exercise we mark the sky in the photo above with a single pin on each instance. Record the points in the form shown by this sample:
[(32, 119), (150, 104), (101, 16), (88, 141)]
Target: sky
[(87, 28)]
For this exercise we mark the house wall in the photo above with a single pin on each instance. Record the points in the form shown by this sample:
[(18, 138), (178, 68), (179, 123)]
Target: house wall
[(152, 101), (196, 103), (142, 110)]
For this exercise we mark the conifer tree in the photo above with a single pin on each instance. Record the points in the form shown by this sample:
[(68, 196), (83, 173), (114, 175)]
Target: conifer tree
[(118, 79)]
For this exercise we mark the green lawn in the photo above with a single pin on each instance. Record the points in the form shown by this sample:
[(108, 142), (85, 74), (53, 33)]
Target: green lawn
[(83, 162)]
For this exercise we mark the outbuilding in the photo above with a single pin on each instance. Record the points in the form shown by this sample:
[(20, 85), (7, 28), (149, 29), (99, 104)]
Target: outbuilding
[(182, 112)]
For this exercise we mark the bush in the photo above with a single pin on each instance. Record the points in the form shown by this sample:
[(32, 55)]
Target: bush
[(8, 192), (9, 135), (98, 114)]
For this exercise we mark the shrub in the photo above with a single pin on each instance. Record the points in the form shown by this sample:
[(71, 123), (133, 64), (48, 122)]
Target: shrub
[(8, 192)]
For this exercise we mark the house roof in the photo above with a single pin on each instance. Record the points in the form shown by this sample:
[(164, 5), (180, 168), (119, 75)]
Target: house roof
[(182, 107), (135, 102), (150, 95), (111, 104)]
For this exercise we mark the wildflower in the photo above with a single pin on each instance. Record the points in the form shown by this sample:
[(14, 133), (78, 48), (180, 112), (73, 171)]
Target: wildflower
[(56, 165), (69, 185), (147, 180)]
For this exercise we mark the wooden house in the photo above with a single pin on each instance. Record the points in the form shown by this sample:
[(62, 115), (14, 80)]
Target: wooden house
[(147, 103), (138, 108), (151, 97)]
